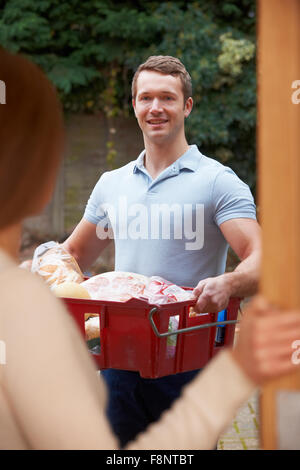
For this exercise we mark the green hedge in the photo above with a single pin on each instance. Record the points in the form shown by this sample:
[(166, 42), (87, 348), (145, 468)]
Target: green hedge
[(90, 49)]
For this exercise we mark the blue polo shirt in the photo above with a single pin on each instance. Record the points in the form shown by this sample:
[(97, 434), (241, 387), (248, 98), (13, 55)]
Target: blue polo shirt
[(170, 226)]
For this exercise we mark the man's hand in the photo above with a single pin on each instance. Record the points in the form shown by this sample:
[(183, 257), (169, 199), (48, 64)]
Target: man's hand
[(264, 347), (212, 294)]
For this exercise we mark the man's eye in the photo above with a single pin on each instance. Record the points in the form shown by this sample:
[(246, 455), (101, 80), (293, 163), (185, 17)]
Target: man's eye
[(168, 98), (145, 98)]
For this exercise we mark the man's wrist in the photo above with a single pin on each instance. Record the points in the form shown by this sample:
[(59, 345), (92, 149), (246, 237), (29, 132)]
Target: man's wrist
[(232, 283), (239, 284)]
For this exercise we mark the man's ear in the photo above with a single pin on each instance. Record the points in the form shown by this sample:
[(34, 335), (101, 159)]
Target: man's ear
[(133, 105), (188, 107)]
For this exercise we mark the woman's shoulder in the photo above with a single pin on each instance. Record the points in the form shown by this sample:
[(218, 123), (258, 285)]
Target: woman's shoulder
[(24, 292), (33, 319), (15, 278)]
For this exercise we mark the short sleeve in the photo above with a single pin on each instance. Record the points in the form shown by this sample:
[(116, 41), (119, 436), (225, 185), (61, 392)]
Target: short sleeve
[(231, 198), (95, 209)]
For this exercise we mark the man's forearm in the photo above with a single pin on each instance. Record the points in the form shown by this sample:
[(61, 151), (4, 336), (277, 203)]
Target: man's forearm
[(76, 254), (84, 258), (244, 280), (84, 245)]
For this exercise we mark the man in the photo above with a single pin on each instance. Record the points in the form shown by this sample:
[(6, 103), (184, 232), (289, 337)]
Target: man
[(172, 212)]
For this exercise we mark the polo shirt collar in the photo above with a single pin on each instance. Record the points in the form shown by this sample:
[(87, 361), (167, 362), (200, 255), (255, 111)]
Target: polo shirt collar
[(139, 163), (190, 160)]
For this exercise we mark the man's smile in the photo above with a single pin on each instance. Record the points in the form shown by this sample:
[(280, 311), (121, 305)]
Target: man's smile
[(156, 122)]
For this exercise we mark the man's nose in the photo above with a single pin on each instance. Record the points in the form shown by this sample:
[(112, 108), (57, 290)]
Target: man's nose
[(156, 106)]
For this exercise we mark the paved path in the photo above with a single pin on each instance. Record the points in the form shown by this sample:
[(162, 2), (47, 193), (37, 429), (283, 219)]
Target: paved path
[(243, 432)]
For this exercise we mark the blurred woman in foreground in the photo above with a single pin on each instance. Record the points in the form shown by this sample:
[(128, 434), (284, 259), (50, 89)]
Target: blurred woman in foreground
[(50, 394)]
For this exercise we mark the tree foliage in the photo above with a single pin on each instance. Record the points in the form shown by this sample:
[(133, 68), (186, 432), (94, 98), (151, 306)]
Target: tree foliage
[(90, 50)]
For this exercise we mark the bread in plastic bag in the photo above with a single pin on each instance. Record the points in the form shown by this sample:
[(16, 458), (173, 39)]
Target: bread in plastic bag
[(55, 265)]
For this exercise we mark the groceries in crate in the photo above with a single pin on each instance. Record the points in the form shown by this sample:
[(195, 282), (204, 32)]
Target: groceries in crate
[(55, 265), (122, 286), (61, 272)]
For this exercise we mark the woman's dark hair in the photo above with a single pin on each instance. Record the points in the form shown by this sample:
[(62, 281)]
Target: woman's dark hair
[(31, 137)]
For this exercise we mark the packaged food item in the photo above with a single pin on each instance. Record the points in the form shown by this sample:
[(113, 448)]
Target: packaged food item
[(172, 339), (55, 265), (220, 331), (160, 291), (116, 286), (71, 290), (92, 328)]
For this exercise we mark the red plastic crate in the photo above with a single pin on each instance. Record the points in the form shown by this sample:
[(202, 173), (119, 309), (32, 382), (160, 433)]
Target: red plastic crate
[(129, 342)]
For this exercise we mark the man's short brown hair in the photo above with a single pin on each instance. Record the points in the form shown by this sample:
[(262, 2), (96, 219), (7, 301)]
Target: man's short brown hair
[(167, 65)]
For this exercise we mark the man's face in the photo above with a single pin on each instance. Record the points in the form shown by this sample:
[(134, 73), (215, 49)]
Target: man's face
[(159, 106)]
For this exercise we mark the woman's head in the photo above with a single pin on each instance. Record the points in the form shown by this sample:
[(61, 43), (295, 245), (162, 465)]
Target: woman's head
[(31, 139)]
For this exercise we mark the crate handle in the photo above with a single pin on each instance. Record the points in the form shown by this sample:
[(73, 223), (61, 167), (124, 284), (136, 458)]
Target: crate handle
[(185, 330)]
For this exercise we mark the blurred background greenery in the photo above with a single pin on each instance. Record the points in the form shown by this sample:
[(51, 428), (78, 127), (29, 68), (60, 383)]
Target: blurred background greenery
[(90, 50)]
